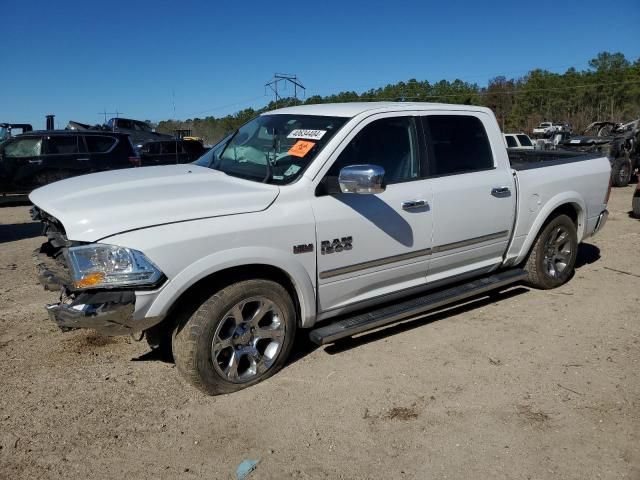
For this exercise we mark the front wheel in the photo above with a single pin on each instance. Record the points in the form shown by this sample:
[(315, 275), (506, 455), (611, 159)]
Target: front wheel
[(240, 336), (553, 255)]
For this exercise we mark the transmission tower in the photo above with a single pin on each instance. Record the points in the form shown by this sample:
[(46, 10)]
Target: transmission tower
[(278, 79)]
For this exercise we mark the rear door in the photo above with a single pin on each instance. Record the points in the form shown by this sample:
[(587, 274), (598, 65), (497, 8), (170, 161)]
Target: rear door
[(103, 153), (473, 200)]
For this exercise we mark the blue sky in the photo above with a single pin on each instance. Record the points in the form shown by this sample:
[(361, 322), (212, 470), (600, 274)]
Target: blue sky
[(77, 58)]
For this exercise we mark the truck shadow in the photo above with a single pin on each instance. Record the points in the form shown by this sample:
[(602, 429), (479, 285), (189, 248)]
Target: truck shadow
[(19, 231), (587, 254)]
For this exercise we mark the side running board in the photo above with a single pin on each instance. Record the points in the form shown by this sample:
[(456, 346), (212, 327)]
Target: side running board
[(400, 311)]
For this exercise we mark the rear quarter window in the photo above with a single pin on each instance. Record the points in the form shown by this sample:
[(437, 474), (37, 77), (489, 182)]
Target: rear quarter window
[(511, 141), (456, 144), (99, 144), (524, 140)]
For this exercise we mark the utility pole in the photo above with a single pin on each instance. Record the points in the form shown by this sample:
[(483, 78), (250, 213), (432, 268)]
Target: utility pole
[(278, 78)]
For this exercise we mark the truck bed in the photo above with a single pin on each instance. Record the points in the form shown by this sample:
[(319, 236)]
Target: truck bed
[(527, 159)]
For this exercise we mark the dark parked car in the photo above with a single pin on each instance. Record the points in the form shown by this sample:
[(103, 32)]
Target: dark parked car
[(34, 159), (167, 152)]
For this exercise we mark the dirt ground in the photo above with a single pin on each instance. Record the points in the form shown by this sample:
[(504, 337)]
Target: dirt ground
[(533, 385)]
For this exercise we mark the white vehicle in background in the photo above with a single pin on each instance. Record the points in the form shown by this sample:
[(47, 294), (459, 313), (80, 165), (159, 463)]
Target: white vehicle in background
[(337, 218), (518, 141), (542, 130)]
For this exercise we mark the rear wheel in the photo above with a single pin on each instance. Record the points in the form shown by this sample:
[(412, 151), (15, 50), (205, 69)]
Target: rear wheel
[(240, 336), (553, 256), (621, 172)]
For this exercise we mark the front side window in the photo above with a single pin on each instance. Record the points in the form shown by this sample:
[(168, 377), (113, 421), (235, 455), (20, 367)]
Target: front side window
[(275, 148), (63, 144), (511, 141), (390, 143), (524, 141), (24, 147), (457, 144)]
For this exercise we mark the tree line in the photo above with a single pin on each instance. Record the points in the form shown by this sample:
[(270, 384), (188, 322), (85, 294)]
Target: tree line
[(609, 89)]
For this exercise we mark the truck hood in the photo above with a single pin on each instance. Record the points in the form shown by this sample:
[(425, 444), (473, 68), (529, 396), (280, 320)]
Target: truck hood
[(95, 206)]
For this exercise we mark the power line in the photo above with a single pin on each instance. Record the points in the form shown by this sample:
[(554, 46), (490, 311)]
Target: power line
[(286, 79)]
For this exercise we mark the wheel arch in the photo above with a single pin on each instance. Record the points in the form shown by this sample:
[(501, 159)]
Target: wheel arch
[(211, 274), (566, 204)]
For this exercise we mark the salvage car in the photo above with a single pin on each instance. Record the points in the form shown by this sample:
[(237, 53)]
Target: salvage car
[(37, 158), (337, 218), (619, 142), (7, 130)]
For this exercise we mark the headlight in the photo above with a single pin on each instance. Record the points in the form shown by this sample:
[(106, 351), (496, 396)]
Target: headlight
[(110, 266)]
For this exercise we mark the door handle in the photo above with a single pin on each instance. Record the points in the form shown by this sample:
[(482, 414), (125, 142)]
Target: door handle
[(83, 159), (501, 192), (35, 162), (414, 204)]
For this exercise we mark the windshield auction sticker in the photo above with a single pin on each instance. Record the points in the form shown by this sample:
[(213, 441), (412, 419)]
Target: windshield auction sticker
[(300, 148), (307, 134)]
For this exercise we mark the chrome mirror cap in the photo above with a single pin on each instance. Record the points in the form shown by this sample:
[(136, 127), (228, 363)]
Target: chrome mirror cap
[(364, 179)]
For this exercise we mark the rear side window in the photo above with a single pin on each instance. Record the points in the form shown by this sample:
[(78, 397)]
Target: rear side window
[(511, 141), (99, 144), (63, 144), (25, 147), (524, 140), (457, 144)]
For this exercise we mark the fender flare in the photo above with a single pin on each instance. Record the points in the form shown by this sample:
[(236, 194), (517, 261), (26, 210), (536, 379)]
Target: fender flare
[(237, 257), (565, 198)]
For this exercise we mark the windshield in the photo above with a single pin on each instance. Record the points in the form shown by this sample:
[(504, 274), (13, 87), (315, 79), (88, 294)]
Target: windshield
[(272, 148)]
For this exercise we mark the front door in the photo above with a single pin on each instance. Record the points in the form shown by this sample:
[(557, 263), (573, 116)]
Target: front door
[(371, 246)]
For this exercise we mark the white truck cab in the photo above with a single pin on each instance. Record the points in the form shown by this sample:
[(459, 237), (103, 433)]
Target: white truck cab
[(337, 218)]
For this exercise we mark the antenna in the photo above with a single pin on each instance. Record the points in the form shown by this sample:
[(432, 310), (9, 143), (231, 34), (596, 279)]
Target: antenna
[(286, 78), (105, 113)]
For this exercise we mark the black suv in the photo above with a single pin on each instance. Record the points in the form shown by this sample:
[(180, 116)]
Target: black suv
[(167, 152), (34, 159)]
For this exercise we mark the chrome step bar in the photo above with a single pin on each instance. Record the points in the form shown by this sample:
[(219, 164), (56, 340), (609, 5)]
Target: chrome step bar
[(403, 310)]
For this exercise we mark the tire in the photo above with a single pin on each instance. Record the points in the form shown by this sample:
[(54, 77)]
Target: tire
[(621, 172), (253, 323), (550, 263), (636, 206)]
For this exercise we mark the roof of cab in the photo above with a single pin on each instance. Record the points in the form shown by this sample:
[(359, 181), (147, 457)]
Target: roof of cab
[(356, 108)]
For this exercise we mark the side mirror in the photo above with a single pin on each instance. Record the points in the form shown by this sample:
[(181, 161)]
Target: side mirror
[(363, 179)]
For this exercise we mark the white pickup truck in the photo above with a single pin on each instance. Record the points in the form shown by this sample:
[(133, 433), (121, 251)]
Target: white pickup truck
[(335, 218)]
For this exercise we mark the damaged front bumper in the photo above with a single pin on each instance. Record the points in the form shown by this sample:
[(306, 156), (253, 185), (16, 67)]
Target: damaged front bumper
[(109, 312)]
